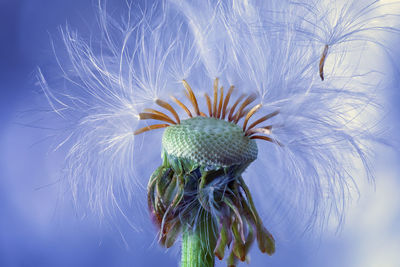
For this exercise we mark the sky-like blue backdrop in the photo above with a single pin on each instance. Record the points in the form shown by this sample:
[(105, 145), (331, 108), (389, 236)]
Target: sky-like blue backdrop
[(37, 228)]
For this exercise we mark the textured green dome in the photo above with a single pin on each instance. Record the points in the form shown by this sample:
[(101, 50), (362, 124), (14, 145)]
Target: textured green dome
[(209, 141)]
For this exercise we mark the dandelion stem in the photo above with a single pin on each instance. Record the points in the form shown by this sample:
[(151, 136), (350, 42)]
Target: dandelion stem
[(198, 244)]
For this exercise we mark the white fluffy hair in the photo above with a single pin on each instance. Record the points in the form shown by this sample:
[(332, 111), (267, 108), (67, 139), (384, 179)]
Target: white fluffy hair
[(273, 48)]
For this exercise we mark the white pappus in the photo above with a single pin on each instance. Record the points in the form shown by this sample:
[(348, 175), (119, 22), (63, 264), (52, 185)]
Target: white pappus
[(306, 59)]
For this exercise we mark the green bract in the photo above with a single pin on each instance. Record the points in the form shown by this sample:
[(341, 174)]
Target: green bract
[(199, 184)]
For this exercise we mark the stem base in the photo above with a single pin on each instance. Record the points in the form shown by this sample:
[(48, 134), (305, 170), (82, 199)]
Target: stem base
[(198, 244)]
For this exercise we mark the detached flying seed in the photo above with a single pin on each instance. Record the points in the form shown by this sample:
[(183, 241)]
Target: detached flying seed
[(322, 62)]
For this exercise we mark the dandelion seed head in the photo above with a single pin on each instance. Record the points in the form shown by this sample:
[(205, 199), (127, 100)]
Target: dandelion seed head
[(318, 133), (200, 179), (209, 142)]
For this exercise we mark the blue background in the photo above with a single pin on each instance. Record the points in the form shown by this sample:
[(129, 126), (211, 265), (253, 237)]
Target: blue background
[(39, 229)]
